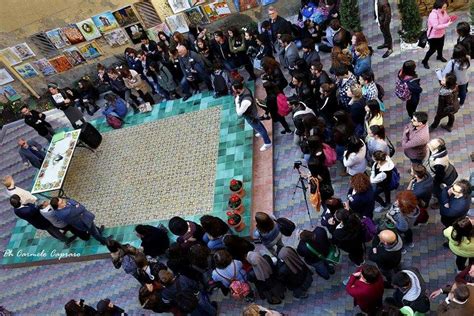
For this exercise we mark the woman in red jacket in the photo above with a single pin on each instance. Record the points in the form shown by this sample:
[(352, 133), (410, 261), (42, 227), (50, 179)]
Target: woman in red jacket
[(366, 287)]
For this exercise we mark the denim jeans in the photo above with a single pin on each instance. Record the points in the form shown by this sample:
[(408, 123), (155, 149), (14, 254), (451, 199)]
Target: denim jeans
[(201, 74), (56, 233), (204, 307), (322, 268), (94, 231), (259, 128), (462, 93)]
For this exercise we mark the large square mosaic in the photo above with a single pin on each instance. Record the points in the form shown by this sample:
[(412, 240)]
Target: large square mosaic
[(176, 160)]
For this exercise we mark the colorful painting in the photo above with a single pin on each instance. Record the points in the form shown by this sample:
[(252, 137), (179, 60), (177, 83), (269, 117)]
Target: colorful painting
[(196, 16), (26, 71), (179, 5), (44, 67), (125, 16), (153, 32), (242, 5), (5, 77), (88, 29), (116, 38), (10, 93), (267, 2), (10, 56), (216, 10), (195, 3), (90, 50), (58, 39), (135, 32), (105, 21), (72, 33), (454, 5), (23, 51), (60, 63), (177, 23), (74, 56)]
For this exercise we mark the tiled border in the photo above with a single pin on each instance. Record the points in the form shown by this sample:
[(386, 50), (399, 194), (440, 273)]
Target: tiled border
[(235, 156)]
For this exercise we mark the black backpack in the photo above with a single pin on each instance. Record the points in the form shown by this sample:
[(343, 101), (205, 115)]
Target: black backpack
[(185, 299), (220, 85), (381, 91), (286, 226)]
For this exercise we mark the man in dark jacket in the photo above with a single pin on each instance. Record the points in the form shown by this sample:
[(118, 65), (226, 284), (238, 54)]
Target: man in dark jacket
[(37, 121), (30, 213), (318, 77), (149, 47), (454, 202), (410, 290), (313, 247), (221, 51), (422, 186), (383, 13), (387, 253), (310, 55), (279, 25), (192, 66), (31, 152), (289, 53), (303, 91)]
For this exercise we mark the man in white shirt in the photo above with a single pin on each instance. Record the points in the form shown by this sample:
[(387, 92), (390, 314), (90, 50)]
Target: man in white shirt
[(25, 196)]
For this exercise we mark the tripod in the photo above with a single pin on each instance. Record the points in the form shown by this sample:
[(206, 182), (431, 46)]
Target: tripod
[(300, 184)]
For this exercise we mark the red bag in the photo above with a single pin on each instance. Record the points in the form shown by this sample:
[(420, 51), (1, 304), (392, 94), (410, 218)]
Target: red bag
[(114, 121), (238, 289), (283, 107), (330, 154)]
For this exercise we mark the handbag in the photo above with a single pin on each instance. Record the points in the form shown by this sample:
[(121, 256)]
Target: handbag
[(314, 194), (423, 39), (391, 148), (334, 255)]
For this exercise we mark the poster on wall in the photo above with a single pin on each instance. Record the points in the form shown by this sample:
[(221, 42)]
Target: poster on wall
[(116, 38), (88, 29), (44, 67), (10, 56), (196, 16), (195, 3), (60, 63), (58, 39), (23, 51), (72, 33), (153, 31), (5, 77), (216, 10), (179, 5), (243, 5), (267, 2), (74, 56), (125, 16), (105, 21), (177, 23), (90, 50), (135, 32), (10, 93), (26, 71)]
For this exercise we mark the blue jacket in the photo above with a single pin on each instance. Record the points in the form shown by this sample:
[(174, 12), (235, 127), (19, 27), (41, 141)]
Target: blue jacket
[(268, 238), (34, 157), (423, 189), (363, 203), (76, 215), (362, 65), (457, 207), (118, 108), (30, 213)]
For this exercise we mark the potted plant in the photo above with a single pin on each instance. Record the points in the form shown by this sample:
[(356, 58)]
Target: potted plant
[(235, 221), (350, 18), (237, 187), (235, 203), (411, 24)]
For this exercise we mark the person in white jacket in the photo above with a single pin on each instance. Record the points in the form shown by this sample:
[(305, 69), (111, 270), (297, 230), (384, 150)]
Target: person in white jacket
[(381, 177), (354, 157), (25, 196)]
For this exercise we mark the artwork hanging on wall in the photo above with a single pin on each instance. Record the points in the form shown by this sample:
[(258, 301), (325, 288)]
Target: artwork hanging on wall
[(10, 93), (243, 5), (58, 39), (74, 56), (267, 2), (5, 77), (179, 5), (116, 38), (152, 33), (26, 71), (23, 51), (10, 56), (177, 23), (105, 21), (135, 32), (72, 33), (216, 10), (90, 50), (60, 63), (196, 16), (88, 29), (195, 3), (125, 16), (44, 67)]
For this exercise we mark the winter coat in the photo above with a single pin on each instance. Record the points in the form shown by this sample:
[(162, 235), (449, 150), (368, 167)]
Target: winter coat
[(423, 190), (447, 102), (387, 257), (136, 82), (414, 142), (362, 65), (355, 162), (456, 207), (437, 23), (438, 164), (362, 203)]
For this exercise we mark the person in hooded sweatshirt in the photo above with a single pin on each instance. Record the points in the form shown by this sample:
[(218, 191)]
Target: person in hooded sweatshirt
[(387, 253), (410, 290), (403, 214)]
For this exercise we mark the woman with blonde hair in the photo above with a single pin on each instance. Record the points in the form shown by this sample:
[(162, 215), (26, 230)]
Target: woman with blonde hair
[(362, 62), (258, 310)]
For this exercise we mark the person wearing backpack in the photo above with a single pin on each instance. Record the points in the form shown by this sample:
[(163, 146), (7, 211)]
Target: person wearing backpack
[(318, 168), (348, 235), (272, 103), (220, 80), (268, 232), (230, 273), (293, 272), (314, 247), (184, 293), (403, 215), (459, 65), (408, 87), (381, 175)]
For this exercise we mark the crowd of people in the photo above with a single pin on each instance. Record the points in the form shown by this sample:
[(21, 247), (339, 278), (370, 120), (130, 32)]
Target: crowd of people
[(337, 113)]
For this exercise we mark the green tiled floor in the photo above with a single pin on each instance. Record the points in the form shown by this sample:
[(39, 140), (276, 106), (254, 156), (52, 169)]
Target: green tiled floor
[(234, 161)]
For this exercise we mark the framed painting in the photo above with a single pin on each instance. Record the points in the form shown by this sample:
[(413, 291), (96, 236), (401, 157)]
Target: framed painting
[(179, 5), (135, 32), (177, 23), (90, 50), (105, 21), (44, 67), (195, 3), (23, 51), (74, 56), (267, 2), (5, 77), (60, 63), (58, 39), (153, 32), (10, 93), (125, 16), (243, 5), (88, 29), (196, 16), (10, 56), (26, 71), (216, 10), (72, 33), (116, 38)]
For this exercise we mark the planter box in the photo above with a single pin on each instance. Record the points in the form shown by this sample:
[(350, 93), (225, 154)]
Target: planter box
[(408, 46)]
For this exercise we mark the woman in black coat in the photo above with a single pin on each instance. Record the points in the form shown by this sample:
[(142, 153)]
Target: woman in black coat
[(318, 169), (155, 240), (238, 247), (318, 241), (273, 73), (348, 235)]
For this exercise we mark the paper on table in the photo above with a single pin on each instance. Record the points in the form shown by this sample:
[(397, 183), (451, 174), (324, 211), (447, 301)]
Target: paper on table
[(58, 136)]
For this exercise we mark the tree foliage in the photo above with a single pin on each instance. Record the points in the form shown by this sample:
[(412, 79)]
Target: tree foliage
[(350, 17), (411, 20)]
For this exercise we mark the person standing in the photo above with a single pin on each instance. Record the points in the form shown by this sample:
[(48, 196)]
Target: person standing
[(155, 240), (409, 76), (314, 247), (454, 202), (348, 235), (289, 54), (387, 253), (278, 24), (25, 196), (443, 171), (360, 198), (37, 121), (381, 178), (366, 287), (31, 152), (106, 308), (459, 65), (273, 95), (238, 47), (65, 101), (416, 136), (459, 236), (464, 38), (383, 14), (421, 184), (459, 302), (410, 288), (448, 103), (192, 66), (245, 106), (438, 22)]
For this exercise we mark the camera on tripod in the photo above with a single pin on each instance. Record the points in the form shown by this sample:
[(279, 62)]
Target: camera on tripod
[(297, 164)]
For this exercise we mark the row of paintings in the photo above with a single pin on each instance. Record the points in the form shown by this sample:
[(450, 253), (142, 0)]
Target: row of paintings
[(241, 5)]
